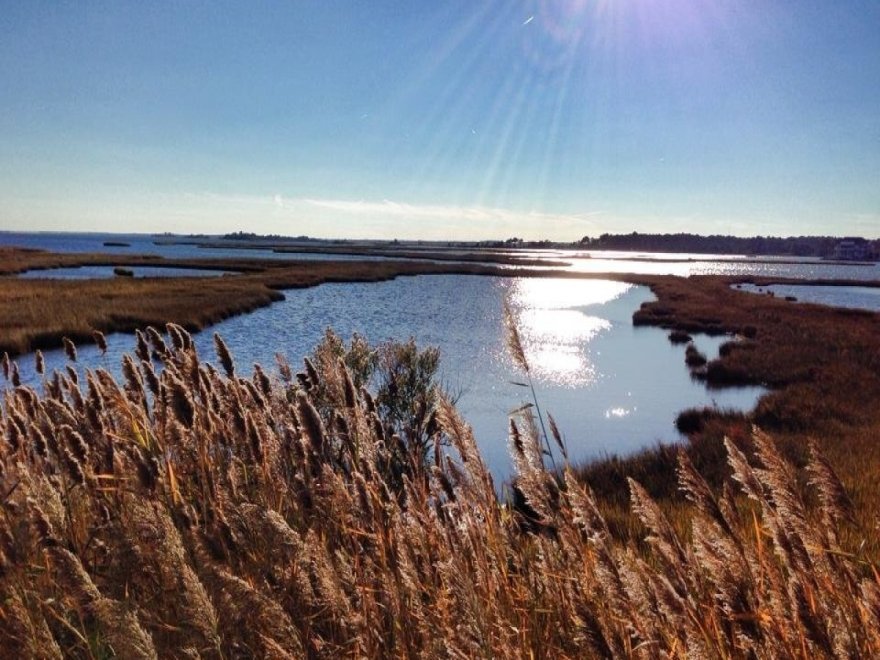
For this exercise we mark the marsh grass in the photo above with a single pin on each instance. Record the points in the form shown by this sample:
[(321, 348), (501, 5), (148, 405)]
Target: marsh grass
[(189, 512), (38, 313)]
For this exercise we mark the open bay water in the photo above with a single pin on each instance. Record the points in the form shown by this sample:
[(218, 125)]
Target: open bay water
[(652, 263), (613, 388), (152, 245)]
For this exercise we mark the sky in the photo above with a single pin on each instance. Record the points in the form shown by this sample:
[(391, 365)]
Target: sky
[(454, 119)]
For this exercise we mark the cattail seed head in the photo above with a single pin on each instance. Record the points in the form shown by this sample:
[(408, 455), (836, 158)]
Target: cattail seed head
[(95, 393), (150, 377), (74, 466), (158, 343), (181, 339), (261, 380), (13, 435), (69, 349), (131, 374), (224, 355), (312, 425), (514, 342), (39, 363), (253, 434), (312, 372), (178, 398), (100, 341), (557, 436), (39, 442), (53, 386), (142, 349), (348, 383), (44, 528), (516, 438), (283, 368), (75, 442), (29, 399)]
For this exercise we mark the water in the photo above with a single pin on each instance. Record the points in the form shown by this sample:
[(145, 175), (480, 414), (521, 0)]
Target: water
[(76, 242), (854, 297), (105, 272), (580, 261), (700, 265), (612, 387), (147, 244)]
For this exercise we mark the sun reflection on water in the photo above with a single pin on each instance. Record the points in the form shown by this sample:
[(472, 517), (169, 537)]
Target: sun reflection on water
[(539, 293), (617, 412), (556, 332)]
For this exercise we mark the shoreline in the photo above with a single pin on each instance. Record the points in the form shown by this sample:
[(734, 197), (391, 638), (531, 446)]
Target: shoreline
[(511, 256), (111, 305), (809, 356)]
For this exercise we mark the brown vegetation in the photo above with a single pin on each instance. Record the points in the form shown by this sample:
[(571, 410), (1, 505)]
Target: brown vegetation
[(39, 313), (15, 260), (388, 250), (822, 365), (187, 513)]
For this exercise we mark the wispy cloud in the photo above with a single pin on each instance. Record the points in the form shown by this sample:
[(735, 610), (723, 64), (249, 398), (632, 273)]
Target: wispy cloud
[(213, 212), (390, 208)]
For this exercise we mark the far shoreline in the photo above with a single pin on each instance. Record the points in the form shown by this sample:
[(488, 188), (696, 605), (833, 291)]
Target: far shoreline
[(809, 356)]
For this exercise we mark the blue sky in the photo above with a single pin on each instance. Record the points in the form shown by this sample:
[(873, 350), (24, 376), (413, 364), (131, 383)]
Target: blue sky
[(457, 119)]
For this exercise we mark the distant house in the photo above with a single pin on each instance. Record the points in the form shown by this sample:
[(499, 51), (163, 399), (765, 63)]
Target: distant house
[(853, 250)]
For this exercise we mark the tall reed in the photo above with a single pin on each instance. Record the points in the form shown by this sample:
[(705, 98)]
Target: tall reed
[(186, 512)]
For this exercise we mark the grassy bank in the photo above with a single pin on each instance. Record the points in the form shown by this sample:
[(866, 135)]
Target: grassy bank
[(190, 512), (823, 366), (387, 250), (821, 363), (37, 313), (19, 260), (195, 512)]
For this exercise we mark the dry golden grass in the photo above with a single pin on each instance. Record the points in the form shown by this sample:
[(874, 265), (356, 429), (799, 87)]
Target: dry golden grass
[(186, 513), (16, 260), (39, 313), (822, 364)]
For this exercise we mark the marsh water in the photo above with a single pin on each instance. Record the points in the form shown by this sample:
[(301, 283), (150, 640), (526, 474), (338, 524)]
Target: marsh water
[(578, 260), (853, 297), (105, 272), (613, 388)]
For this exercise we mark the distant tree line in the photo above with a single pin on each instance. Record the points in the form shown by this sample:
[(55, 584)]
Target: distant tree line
[(800, 246), (251, 236)]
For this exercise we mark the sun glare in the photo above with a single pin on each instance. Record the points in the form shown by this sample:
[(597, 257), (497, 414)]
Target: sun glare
[(556, 335), (561, 294)]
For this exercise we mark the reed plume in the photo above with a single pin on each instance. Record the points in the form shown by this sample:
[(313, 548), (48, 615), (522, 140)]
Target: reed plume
[(515, 346), (220, 516), (100, 341), (69, 349), (224, 355)]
